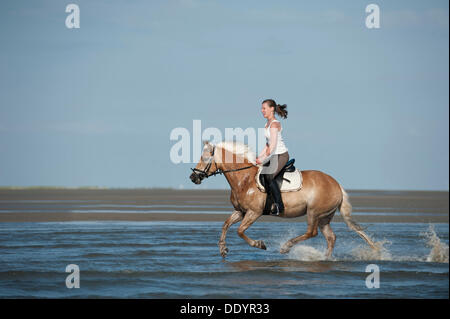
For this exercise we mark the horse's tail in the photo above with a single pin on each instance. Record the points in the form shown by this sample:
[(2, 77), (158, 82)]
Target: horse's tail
[(346, 212)]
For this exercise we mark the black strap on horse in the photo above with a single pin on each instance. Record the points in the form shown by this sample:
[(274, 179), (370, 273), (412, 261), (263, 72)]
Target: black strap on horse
[(204, 173)]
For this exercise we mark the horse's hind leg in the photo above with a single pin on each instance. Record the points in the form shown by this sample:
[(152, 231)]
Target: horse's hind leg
[(311, 231), (233, 219), (249, 219), (325, 228)]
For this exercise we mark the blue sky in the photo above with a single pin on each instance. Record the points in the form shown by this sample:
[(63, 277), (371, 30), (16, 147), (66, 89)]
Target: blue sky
[(95, 106)]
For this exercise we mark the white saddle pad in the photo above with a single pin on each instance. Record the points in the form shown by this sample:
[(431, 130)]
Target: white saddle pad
[(294, 183)]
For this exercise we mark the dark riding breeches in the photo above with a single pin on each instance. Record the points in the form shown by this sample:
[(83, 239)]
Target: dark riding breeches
[(282, 160)]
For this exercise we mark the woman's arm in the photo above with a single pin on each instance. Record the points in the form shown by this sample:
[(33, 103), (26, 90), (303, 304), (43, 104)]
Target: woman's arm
[(264, 151), (262, 155), (269, 149), (273, 139)]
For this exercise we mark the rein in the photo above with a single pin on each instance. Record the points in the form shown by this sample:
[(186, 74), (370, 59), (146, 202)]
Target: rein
[(204, 173)]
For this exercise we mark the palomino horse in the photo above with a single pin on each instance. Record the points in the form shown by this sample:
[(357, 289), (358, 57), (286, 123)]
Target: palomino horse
[(319, 198)]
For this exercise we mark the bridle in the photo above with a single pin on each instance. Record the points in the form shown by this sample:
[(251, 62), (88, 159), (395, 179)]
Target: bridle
[(204, 173)]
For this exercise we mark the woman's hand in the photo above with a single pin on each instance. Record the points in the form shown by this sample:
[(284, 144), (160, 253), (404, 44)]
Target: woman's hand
[(258, 161)]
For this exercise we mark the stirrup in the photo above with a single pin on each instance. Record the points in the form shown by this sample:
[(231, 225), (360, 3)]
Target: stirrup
[(274, 210)]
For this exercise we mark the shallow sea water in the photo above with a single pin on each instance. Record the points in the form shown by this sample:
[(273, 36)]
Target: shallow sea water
[(182, 260)]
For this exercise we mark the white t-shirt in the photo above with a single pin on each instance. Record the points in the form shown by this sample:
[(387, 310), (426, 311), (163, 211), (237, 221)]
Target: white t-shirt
[(280, 147)]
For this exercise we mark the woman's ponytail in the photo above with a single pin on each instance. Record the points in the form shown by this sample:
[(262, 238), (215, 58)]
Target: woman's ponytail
[(279, 109)]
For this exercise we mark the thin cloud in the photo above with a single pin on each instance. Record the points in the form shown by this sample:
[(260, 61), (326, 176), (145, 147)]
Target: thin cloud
[(438, 17), (89, 127), (410, 18)]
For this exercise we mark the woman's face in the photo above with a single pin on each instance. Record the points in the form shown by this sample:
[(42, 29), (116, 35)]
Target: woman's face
[(266, 110)]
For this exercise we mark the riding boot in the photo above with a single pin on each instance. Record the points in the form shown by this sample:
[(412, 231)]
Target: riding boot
[(277, 207), (269, 196)]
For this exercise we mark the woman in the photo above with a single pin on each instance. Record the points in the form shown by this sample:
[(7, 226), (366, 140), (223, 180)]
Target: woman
[(274, 151)]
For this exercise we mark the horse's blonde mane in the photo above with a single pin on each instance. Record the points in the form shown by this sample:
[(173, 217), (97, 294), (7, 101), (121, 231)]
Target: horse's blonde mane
[(238, 148)]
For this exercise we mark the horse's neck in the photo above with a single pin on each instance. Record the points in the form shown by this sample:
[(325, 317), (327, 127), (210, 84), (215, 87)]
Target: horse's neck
[(242, 179)]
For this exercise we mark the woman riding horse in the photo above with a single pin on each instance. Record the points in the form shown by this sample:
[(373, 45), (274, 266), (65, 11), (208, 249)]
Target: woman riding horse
[(274, 155), (319, 197)]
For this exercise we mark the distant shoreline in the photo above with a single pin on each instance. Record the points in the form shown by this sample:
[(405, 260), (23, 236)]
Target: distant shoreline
[(160, 204), (199, 217), (43, 187)]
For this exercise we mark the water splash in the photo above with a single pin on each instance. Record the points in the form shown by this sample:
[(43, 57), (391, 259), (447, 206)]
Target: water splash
[(439, 250), (300, 251), (364, 252), (306, 253)]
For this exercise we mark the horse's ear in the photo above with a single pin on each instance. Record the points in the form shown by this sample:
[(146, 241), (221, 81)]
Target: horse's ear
[(205, 142)]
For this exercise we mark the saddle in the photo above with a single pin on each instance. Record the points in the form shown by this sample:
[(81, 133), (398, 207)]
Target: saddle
[(289, 178)]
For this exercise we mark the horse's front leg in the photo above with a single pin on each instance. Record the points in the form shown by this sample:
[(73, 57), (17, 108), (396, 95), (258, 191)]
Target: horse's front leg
[(249, 219), (233, 219)]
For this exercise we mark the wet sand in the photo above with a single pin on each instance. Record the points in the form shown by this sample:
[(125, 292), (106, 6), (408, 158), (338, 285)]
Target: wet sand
[(62, 205)]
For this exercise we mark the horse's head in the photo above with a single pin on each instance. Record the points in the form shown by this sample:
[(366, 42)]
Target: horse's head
[(206, 166)]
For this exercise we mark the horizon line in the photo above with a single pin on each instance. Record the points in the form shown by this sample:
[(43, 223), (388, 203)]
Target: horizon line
[(193, 189)]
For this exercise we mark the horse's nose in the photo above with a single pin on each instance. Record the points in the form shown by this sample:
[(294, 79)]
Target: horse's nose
[(193, 178)]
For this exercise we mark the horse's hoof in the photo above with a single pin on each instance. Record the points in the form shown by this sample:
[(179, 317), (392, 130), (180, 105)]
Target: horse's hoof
[(260, 244), (285, 250), (224, 252)]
